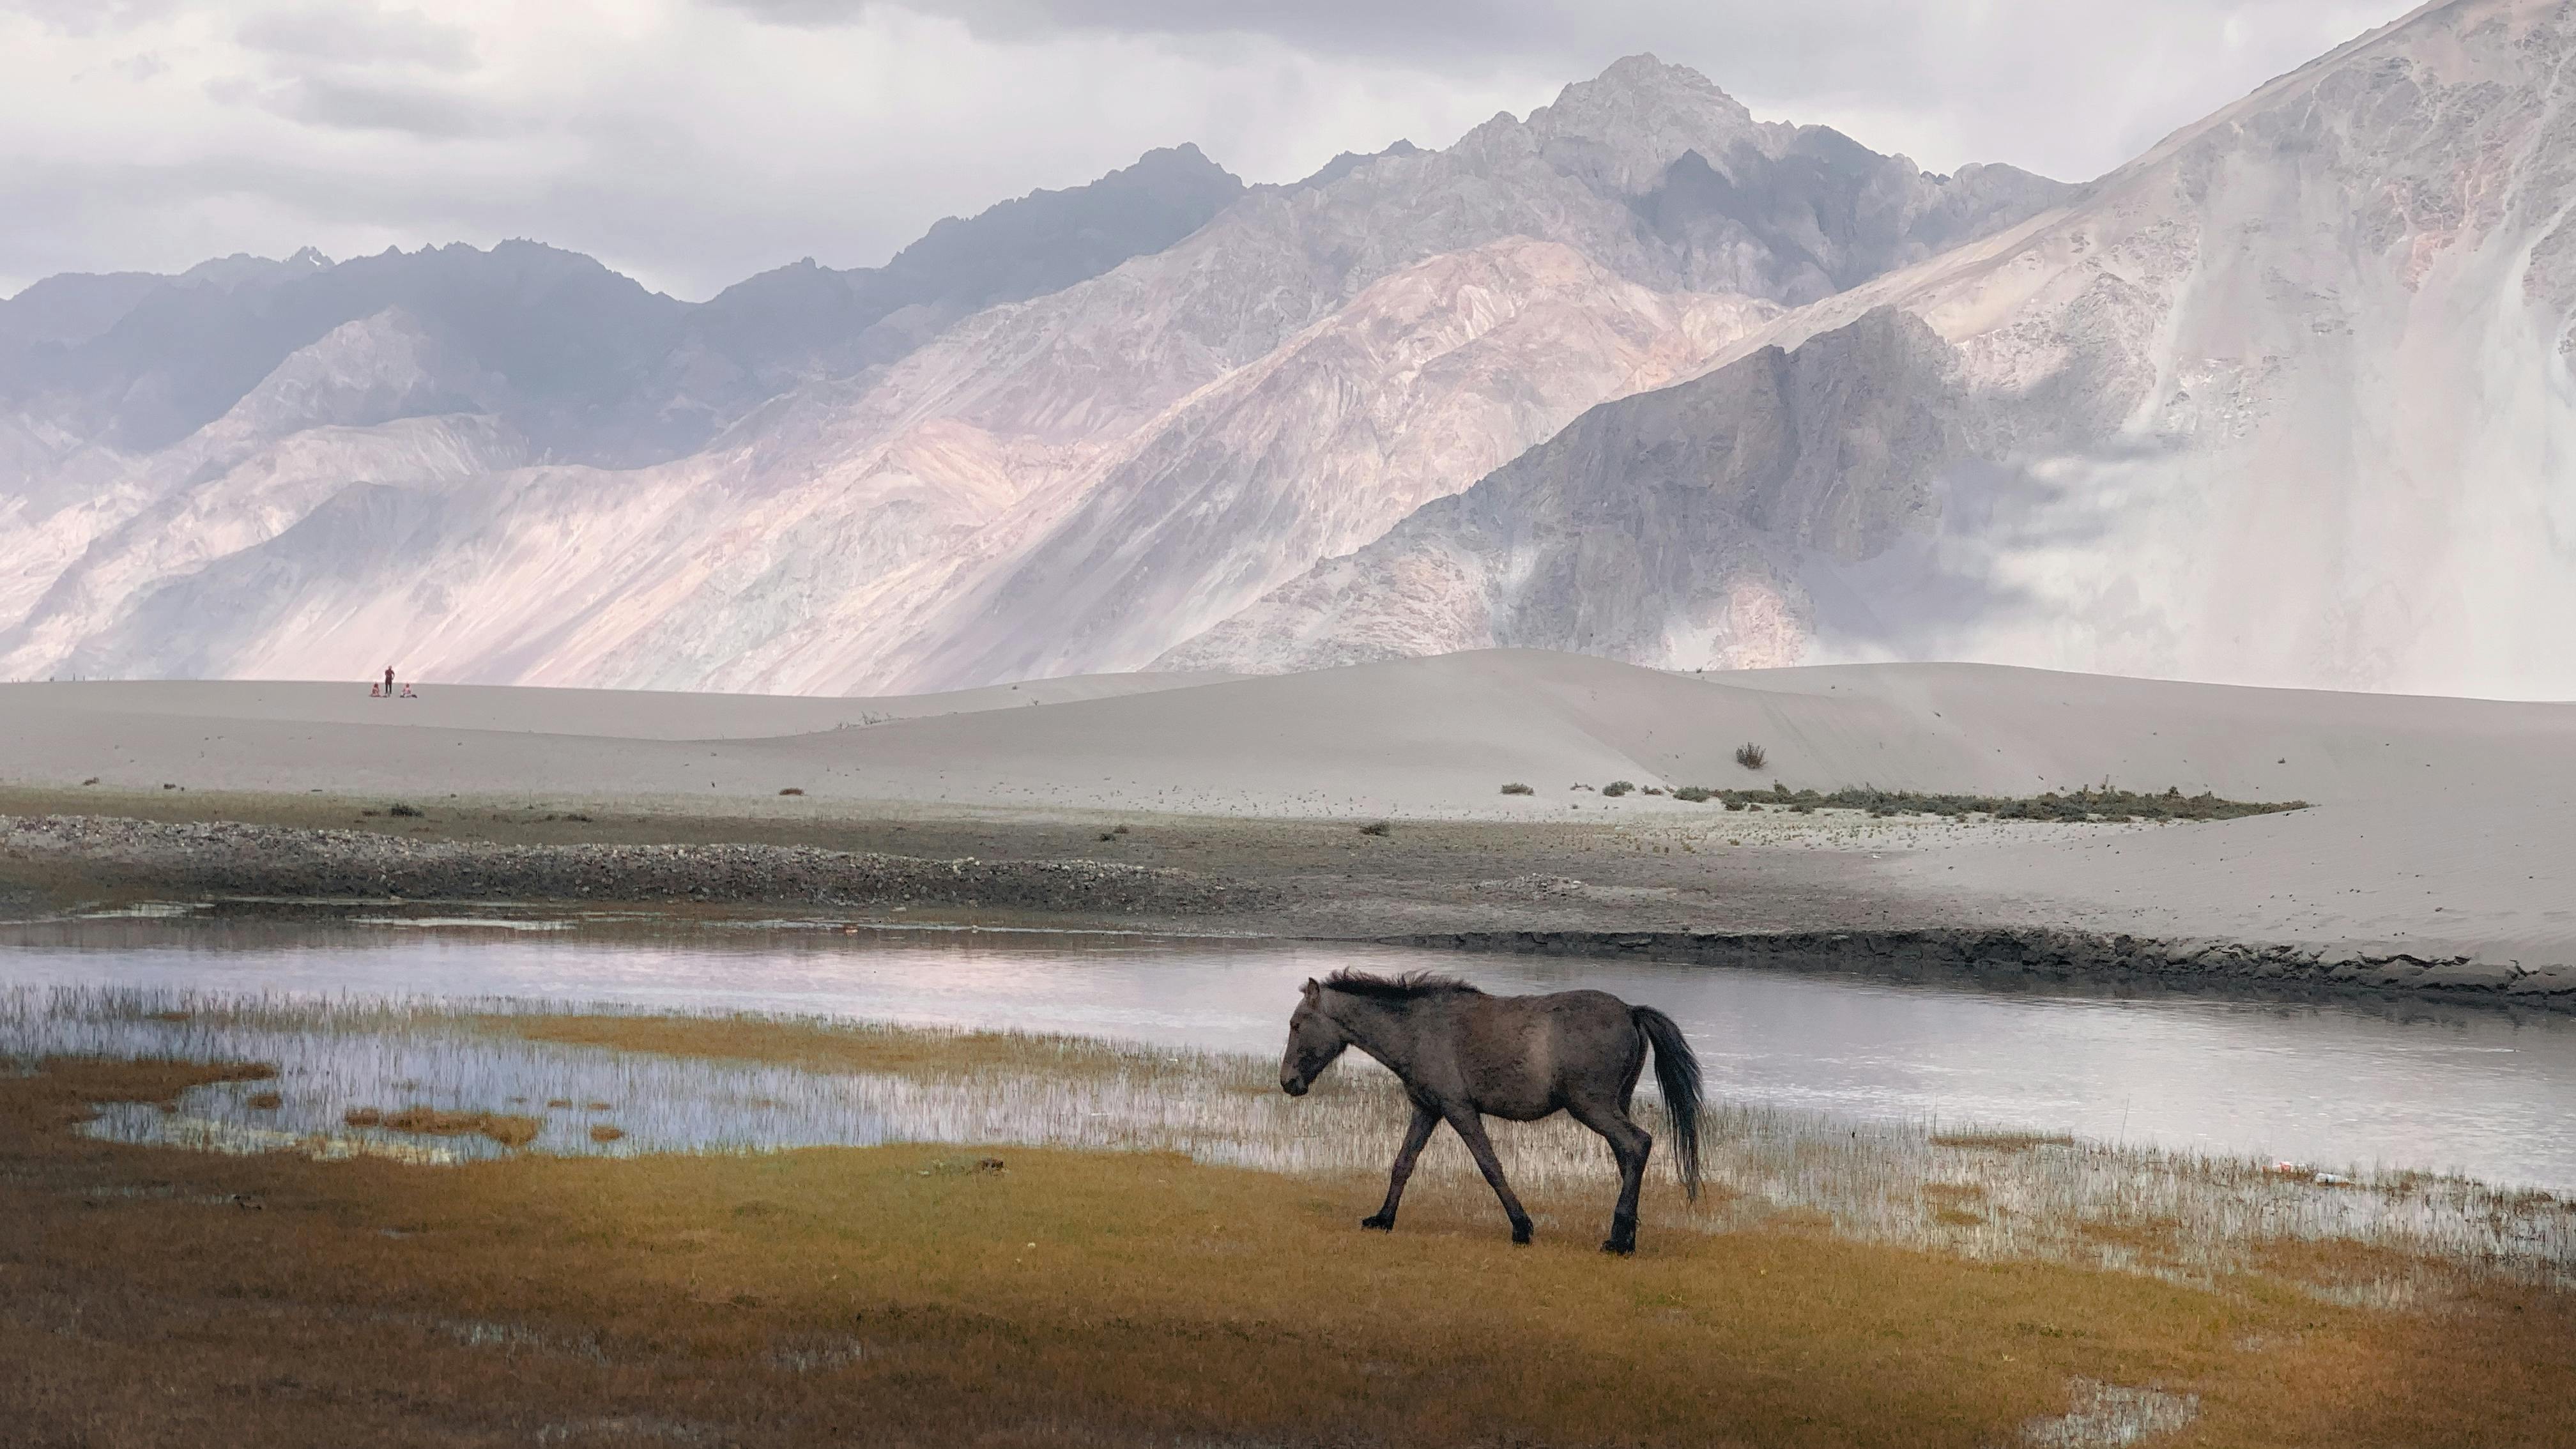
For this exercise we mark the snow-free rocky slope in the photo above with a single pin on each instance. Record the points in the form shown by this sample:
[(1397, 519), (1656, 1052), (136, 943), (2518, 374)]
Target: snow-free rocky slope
[(2287, 400), (1070, 483)]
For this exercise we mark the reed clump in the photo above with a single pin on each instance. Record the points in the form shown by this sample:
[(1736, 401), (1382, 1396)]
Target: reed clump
[(507, 1128), (2000, 1141)]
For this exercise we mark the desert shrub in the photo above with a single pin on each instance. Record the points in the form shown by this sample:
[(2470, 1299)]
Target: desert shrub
[(402, 811), (1617, 788), (2095, 804), (1517, 788), (1377, 827), (1751, 756), (1694, 793), (792, 790), (1650, 790)]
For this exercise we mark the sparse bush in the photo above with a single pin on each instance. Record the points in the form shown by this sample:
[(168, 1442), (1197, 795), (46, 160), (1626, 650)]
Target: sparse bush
[(1751, 756), (2096, 804), (792, 790), (1377, 827), (606, 1132), (1617, 788), (265, 1102), (1651, 790), (1517, 788), (1694, 793), (403, 812)]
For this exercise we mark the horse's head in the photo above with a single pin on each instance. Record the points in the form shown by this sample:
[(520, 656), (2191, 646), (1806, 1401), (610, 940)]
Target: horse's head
[(1314, 1040)]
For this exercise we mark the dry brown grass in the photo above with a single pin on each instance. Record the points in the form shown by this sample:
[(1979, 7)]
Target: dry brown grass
[(606, 1132), (897, 1295), (2001, 1141), (510, 1129)]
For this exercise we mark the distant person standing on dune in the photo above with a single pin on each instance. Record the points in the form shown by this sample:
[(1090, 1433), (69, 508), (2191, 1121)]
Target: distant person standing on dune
[(389, 681)]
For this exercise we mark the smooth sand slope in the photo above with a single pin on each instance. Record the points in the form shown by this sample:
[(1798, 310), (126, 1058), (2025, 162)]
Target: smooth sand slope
[(2441, 825)]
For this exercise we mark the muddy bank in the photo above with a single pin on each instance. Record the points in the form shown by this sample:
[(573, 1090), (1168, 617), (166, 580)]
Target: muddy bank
[(230, 858), (1569, 891), (2053, 955)]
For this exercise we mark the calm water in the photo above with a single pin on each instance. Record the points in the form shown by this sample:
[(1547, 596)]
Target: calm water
[(2332, 1084)]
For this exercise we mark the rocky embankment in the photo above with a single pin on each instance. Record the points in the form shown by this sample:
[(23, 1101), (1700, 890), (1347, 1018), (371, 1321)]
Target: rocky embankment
[(2058, 955), (226, 858)]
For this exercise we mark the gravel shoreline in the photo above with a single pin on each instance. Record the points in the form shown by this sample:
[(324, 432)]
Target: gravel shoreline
[(2055, 955), (229, 858), (1776, 923)]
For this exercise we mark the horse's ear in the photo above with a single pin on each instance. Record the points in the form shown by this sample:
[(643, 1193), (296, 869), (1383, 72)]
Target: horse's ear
[(1312, 988)]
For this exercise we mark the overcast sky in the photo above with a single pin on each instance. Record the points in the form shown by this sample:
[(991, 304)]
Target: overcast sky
[(692, 142)]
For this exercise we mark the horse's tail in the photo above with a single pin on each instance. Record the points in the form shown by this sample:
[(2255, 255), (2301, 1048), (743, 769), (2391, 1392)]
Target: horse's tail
[(1677, 1076)]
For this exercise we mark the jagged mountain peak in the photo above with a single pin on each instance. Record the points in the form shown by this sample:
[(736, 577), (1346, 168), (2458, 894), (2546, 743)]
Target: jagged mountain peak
[(1619, 130)]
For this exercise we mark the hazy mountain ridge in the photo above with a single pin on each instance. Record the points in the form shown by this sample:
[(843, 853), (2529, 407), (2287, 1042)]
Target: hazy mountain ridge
[(1081, 480), (2285, 401)]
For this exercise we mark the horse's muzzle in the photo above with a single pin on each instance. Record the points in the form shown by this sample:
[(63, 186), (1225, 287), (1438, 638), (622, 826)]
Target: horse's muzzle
[(1292, 1086)]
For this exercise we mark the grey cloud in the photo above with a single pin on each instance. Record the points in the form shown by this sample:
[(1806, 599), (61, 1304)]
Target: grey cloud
[(357, 35), (91, 17), (360, 106)]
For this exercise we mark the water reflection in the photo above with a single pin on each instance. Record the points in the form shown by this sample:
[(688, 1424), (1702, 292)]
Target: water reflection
[(2343, 1083)]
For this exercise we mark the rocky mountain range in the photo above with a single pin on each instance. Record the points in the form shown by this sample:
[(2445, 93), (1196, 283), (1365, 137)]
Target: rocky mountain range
[(2286, 400)]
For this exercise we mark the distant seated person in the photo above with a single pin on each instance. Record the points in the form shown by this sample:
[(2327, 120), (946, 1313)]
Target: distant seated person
[(375, 691), (407, 694)]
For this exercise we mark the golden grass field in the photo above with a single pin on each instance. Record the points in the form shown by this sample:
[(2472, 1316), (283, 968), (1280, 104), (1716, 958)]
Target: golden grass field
[(916, 1295)]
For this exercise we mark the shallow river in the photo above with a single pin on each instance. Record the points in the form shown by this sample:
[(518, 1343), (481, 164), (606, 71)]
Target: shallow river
[(2336, 1084)]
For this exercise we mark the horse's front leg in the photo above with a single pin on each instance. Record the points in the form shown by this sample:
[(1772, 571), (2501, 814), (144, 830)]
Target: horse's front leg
[(1425, 1122), (1470, 1125)]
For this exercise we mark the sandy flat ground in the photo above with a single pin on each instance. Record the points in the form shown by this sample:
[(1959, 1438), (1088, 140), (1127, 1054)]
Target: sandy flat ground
[(2440, 825)]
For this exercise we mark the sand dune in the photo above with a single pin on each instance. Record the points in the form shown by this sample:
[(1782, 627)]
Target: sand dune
[(2441, 823)]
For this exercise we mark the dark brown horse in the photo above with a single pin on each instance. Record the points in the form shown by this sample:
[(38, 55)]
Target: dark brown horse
[(1463, 1056)]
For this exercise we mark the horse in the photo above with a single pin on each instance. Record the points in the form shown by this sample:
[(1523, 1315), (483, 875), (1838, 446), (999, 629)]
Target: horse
[(1464, 1055)]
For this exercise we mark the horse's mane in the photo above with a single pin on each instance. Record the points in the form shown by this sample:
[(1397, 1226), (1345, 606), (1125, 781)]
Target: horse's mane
[(1410, 986)]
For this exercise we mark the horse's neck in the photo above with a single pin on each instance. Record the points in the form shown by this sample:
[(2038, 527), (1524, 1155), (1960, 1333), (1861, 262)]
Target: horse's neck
[(1387, 1033)]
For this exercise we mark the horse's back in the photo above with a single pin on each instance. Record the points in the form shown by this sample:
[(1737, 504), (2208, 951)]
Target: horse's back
[(1527, 1056)]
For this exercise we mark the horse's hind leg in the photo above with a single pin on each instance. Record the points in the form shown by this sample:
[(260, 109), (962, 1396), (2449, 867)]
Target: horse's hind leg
[(1425, 1122), (1471, 1129), (1631, 1145)]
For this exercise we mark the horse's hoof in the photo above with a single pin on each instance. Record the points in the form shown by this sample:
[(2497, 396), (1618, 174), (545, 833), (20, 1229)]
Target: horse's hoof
[(1619, 1248), (1378, 1223), (1521, 1236)]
